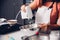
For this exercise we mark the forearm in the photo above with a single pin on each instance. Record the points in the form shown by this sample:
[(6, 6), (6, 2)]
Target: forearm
[(54, 27), (34, 4)]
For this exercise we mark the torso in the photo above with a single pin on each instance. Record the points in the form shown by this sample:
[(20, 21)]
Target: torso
[(54, 16)]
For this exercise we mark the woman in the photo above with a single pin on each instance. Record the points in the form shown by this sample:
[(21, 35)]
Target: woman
[(55, 14)]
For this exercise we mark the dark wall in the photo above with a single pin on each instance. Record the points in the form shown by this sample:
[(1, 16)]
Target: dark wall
[(9, 8)]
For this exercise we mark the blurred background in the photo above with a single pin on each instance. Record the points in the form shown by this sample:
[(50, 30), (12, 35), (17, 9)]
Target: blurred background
[(10, 8)]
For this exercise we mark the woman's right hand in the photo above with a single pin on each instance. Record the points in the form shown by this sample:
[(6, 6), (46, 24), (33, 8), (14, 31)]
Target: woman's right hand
[(23, 8), (43, 26)]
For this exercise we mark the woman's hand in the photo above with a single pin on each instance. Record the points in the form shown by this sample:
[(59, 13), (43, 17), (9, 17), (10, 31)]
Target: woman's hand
[(23, 8), (44, 27)]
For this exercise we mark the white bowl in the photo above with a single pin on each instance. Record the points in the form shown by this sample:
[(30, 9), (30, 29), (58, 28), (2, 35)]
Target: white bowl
[(12, 21)]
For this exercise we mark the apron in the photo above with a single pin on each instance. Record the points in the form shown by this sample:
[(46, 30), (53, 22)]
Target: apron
[(43, 15)]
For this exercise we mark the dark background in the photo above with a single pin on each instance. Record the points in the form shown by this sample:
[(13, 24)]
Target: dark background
[(10, 8)]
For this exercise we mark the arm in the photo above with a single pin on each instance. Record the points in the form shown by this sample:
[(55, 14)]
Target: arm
[(32, 5), (56, 26)]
